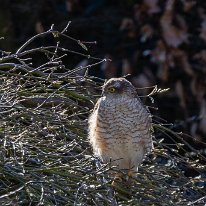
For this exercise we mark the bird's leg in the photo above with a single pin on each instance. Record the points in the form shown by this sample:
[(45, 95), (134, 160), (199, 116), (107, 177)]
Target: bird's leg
[(130, 171), (130, 177)]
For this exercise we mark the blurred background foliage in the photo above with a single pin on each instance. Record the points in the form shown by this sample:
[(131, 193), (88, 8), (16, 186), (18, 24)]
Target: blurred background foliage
[(47, 94)]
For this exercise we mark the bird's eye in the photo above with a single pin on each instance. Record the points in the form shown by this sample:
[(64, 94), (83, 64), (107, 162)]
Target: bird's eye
[(111, 89)]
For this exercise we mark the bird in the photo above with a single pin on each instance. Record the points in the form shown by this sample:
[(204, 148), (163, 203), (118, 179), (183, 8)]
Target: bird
[(120, 127)]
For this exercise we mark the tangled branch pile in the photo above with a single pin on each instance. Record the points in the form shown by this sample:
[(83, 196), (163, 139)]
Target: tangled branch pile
[(44, 152)]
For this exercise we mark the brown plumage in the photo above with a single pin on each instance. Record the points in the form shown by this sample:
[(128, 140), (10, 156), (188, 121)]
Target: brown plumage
[(120, 126)]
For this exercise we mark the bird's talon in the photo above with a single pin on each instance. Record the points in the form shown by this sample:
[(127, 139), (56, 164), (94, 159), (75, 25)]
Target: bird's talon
[(118, 179), (130, 174)]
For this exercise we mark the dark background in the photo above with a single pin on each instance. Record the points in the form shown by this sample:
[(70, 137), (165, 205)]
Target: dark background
[(159, 42)]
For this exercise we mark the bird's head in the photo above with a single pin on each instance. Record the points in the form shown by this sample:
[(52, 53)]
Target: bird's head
[(118, 87)]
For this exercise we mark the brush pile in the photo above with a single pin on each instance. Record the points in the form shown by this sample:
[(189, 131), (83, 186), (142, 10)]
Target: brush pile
[(45, 158)]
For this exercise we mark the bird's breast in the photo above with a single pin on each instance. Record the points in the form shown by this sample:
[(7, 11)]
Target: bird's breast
[(122, 117)]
